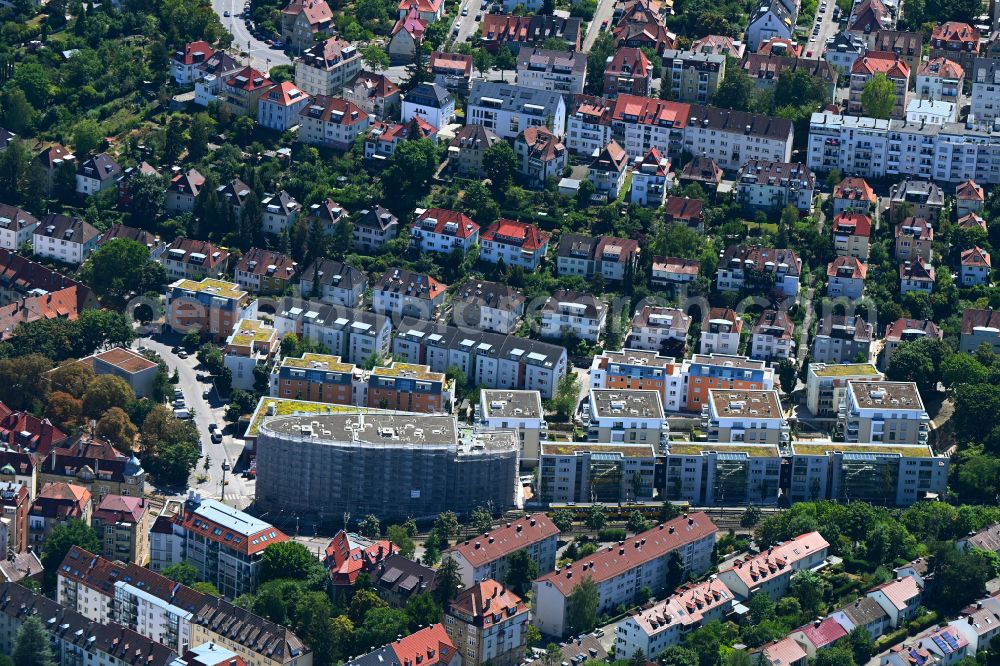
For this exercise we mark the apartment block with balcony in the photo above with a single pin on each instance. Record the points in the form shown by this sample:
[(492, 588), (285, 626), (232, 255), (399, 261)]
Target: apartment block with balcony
[(692, 76), (318, 378), (722, 474), (564, 72), (772, 337), (940, 79), (852, 235), (634, 369), (212, 307), (252, 343), (826, 385), (704, 372), (914, 239), (490, 623), (573, 313), (593, 472), (518, 410), (883, 412), (748, 266), (507, 110), (721, 334), (628, 71), (893, 67), (630, 416), (443, 231), (754, 417), (516, 243), (659, 329), (488, 556), (409, 387), (326, 67), (665, 624), (650, 180), (885, 475), (772, 186), (122, 525), (842, 339)]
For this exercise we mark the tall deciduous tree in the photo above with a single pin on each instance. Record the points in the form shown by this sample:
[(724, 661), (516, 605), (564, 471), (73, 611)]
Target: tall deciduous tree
[(64, 536), (878, 96), (581, 608), (32, 646)]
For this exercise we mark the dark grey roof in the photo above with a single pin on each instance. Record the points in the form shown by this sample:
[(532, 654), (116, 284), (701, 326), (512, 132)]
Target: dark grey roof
[(100, 167), (578, 246), (6, 136), (489, 294), (513, 98), (14, 217), (285, 202), (334, 273), (376, 218), (73, 229), (240, 626), (493, 345), (864, 611), (844, 326), (429, 94), (403, 576), (594, 306), (552, 61), (737, 121)]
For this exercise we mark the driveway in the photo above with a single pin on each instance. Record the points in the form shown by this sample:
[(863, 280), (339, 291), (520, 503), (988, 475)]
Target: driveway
[(262, 56), (238, 491)]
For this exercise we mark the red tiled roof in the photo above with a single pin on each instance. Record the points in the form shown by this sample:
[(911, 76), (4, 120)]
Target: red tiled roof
[(542, 143), (286, 94), (777, 559), (427, 647), (631, 60), (378, 85), (676, 265), (917, 227), (954, 31), (972, 221), (248, 79), (973, 318), (941, 67), (247, 544), (969, 190), (411, 23), (784, 652), (484, 599), (895, 330), (503, 541), (61, 304), (917, 269), (649, 111), (316, 11), (853, 188), (40, 436), (644, 547), (655, 159), (853, 224), (976, 256), (190, 245), (190, 49), (348, 555), (119, 508), (452, 61), (824, 633), (726, 314), (464, 226), (860, 269), (424, 6), (881, 62), (900, 592), (790, 47), (262, 261), (682, 208), (528, 236)]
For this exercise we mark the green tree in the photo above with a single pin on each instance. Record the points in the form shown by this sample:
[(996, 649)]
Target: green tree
[(87, 136), (836, 655), (64, 536), (115, 269), (375, 59), (563, 520), (736, 90), (636, 523), (290, 559), (182, 572), (597, 517), (918, 361), (581, 607), (808, 588), (207, 588), (500, 164), (398, 535), (116, 427), (481, 519), (105, 392), (676, 655), (751, 516), (505, 60), (482, 61), (410, 169), (422, 611), (32, 646), (382, 626), (566, 396), (370, 527), (787, 375), (862, 645), (446, 583), (960, 577), (521, 571), (761, 608), (878, 96), (16, 111)]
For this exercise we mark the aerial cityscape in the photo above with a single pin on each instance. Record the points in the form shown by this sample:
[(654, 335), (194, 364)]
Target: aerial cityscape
[(499, 333)]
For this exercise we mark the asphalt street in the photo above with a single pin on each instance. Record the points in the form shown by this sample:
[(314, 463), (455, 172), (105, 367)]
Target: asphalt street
[(262, 56), (827, 28), (605, 10), (238, 491)]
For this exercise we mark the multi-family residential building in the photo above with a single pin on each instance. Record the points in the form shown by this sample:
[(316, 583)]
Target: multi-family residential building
[(719, 44), (395, 576), (466, 150), (318, 378), (864, 612), (741, 266), (332, 122), (907, 45), (852, 235), (72, 459), (883, 474), (564, 72), (515, 243), (261, 271), (211, 73), (870, 17), (518, 410), (144, 238), (899, 598), (842, 339), (985, 107), (407, 37), (969, 198), (490, 622), (752, 417), (326, 67), (403, 293), (650, 180), (619, 573), (914, 239), (240, 92), (956, 41), (694, 76), (381, 142), (630, 416), (375, 94), (673, 272), (517, 32), (634, 369), (184, 63), (643, 28), (487, 556), (593, 472), (431, 102), (97, 174), (52, 159), (191, 259), (979, 327), (976, 267), (122, 525), (721, 333), (772, 336), (855, 195), (628, 71), (211, 307), (541, 155), (303, 20), (354, 335), (607, 172), (845, 278), (225, 545), (827, 383), (728, 473), (573, 313), (487, 306), (893, 67), (183, 190), (931, 112), (588, 125), (770, 572), (328, 213), (333, 282), (588, 256), (252, 343), (69, 240), (492, 360), (507, 109), (916, 275), (940, 79), (704, 372), (279, 107), (883, 412), (845, 48), (443, 232), (921, 197), (409, 387), (280, 212), (430, 646), (772, 186), (665, 624), (55, 503), (659, 329), (373, 227), (907, 330), (17, 227), (15, 502), (452, 71)]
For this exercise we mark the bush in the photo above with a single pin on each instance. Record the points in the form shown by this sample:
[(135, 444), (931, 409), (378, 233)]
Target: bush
[(612, 534)]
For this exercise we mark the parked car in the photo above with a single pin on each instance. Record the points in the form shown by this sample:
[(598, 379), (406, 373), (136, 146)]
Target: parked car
[(212, 427), (182, 414), (182, 354), (216, 438)]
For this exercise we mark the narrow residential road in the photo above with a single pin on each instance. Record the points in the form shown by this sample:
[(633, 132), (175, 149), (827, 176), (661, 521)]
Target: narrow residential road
[(238, 491), (262, 56), (605, 10), (803, 343)]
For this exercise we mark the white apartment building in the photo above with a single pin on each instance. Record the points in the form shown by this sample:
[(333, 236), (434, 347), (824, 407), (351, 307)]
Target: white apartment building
[(935, 112), (487, 306), (653, 328), (280, 212), (564, 72), (430, 101), (353, 335), (588, 126), (770, 572), (279, 107), (574, 313), (771, 186), (940, 78), (772, 337), (626, 415), (326, 67), (709, 474), (751, 416), (985, 90), (896, 475), (739, 265), (16, 227), (516, 243), (883, 412), (651, 179), (721, 334), (485, 557), (332, 122), (826, 385), (515, 410), (508, 109), (69, 240), (668, 622), (443, 231), (619, 573)]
